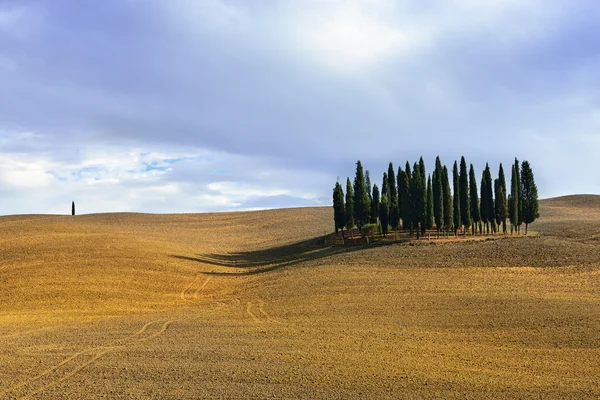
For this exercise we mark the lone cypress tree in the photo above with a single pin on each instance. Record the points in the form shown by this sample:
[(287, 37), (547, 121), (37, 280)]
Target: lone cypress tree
[(384, 212), (349, 206), (465, 201), (513, 201), (519, 196), (446, 200), (430, 218), (530, 196), (474, 201), (456, 199), (375, 204), (339, 211), (361, 198), (487, 200), (72, 208), (438, 195)]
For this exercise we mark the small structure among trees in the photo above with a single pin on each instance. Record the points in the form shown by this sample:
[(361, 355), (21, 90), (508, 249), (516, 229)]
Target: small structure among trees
[(416, 203)]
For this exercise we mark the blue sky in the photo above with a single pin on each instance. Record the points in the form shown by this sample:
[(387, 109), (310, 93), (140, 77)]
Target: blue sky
[(217, 105)]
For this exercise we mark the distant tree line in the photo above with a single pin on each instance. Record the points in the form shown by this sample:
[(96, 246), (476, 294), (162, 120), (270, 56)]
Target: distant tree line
[(416, 202)]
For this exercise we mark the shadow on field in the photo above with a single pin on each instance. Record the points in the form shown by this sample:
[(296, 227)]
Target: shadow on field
[(260, 261)]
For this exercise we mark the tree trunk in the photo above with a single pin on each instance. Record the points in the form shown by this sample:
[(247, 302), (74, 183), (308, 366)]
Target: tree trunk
[(526, 228)]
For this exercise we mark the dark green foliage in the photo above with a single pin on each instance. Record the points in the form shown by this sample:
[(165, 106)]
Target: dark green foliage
[(370, 229), (384, 214), (394, 216), (529, 196), (349, 205), (502, 203), (519, 196), (404, 199), (375, 204), (430, 218), (339, 211), (385, 186), (423, 195), (72, 208), (474, 200), (447, 200), (368, 189), (456, 199), (392, 185), (361, 198), (465, 200), (488, 215), (513, 211), (419, 198), (438, 194)]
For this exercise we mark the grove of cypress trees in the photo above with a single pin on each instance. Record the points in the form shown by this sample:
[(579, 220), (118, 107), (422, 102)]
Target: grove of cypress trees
[(456, 199), (438, 195), (487, 200), (465, 201), (513, 201), (446, 200), (430, 218), (349, 206), (474, 201), (339, 211), (361, 198), (375, 204), (384, 212), (529, 196)]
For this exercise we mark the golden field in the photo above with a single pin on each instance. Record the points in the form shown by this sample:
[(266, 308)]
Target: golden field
[(251, 305)]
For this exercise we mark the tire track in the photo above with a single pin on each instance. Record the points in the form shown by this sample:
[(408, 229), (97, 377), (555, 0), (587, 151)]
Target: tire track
[(250, 313), (97, 352), (201, 288), (28, 332), (261, 308), (182, 294)]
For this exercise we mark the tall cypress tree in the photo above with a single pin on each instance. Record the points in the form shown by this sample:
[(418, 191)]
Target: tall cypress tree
[(369, 193), (349, 206), (447, 200), (474, 201), (430, 218), (361, 198), (438, 195), (375, 205), (487, 199), (456, 199), (502, 203), (385, 186), (465, 200), (417, 198), (513, 201), (339, 211), (394, 210), (530, 196), (404, 199), (384, 212), (423, 195), (410, 207), (519, 196)]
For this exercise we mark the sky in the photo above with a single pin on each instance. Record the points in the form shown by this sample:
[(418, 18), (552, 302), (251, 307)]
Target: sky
[(222, 105)]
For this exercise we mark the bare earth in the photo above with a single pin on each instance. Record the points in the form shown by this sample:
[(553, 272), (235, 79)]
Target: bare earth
[(245, 305)]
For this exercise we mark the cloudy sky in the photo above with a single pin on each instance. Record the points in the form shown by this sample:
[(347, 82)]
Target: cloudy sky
[(217, 105)]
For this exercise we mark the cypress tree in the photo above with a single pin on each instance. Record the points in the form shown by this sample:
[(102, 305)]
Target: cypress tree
[(465, 201), (375, 204), (417, 202), (519, 196), (394, 216), (487, 199), (392, 185), (530, 196), (474, 201), (446, 200), (513, 211), (410, 206), (502, 204), (384, 212), (423, 195), (72, 208), (361, 198), (438, 195), (349, 206), (369, 195), (456, 199), (339, 211), (430, 218), (403, 198)]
